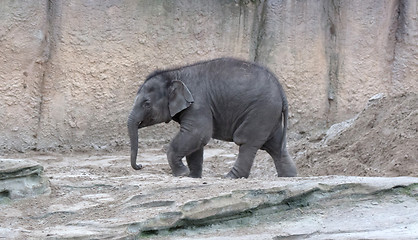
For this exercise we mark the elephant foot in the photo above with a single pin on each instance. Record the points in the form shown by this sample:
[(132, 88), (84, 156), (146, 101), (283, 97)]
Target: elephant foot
[(182, 172), (195, 175), (288, 174), (231, 175), (235, 174)]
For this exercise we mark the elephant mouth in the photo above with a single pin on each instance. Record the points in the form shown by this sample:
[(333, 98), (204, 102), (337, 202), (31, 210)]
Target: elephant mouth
[(147, 122)]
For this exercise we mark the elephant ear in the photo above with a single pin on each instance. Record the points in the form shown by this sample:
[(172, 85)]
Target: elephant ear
[(180, 97)]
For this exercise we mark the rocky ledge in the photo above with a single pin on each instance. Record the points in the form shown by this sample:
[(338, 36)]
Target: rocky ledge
[(100, 197), (308, 208), (21, 178)]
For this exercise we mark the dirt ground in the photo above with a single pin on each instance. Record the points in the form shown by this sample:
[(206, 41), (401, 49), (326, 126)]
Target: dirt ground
[(382, 140)]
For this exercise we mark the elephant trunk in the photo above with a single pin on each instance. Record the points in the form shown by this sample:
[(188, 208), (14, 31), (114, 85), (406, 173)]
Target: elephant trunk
[(133, 136)]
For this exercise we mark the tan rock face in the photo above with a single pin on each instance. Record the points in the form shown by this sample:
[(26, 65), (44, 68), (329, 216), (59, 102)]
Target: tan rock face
[(23, 35), (69, 70)]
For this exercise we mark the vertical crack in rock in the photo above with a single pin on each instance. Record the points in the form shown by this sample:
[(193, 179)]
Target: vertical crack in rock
[(258, 30), (43, 61), (399, 23), (240, 21), (331, 10), (398, 30), (243, 14)]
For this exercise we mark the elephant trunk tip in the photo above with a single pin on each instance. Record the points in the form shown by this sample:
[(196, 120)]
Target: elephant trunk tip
[(137, 166), (133, 135)]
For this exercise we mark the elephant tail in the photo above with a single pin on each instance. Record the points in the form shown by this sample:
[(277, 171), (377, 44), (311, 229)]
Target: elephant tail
[(285, 112)]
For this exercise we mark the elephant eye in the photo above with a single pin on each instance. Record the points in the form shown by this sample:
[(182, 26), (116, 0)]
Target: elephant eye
[(146, 104)]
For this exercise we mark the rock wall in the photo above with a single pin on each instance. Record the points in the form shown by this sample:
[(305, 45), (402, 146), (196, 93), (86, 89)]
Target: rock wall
[(333, 55), (23, 33), (70, 69)]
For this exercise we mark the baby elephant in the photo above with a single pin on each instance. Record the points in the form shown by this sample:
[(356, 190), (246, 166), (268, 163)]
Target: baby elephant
[(226, 99)]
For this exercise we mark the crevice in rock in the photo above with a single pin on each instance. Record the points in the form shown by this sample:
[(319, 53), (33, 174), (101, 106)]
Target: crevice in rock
[(398, 30), (44, 62), (4, 194), (240, 19), (258, 31), (400, 20), (331, 10)]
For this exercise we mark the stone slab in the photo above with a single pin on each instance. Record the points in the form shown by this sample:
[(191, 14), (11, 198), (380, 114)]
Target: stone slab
[(20, 178)]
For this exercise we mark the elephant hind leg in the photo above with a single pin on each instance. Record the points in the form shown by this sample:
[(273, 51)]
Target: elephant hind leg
[(284, 164), (244, 162)]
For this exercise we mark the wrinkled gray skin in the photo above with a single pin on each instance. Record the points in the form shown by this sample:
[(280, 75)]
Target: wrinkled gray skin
[(225, 99)]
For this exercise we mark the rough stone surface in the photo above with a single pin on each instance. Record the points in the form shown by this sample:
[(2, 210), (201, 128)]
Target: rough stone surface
[(20, 178), (99, 197), (70, 69), (23, 34)]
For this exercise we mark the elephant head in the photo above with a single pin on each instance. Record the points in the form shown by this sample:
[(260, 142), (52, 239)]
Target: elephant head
[(158, 100)]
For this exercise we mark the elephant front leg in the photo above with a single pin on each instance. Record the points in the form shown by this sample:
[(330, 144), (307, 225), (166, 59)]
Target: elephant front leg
[(244, 162), (195, 163), (188, 144), (175, 161)]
